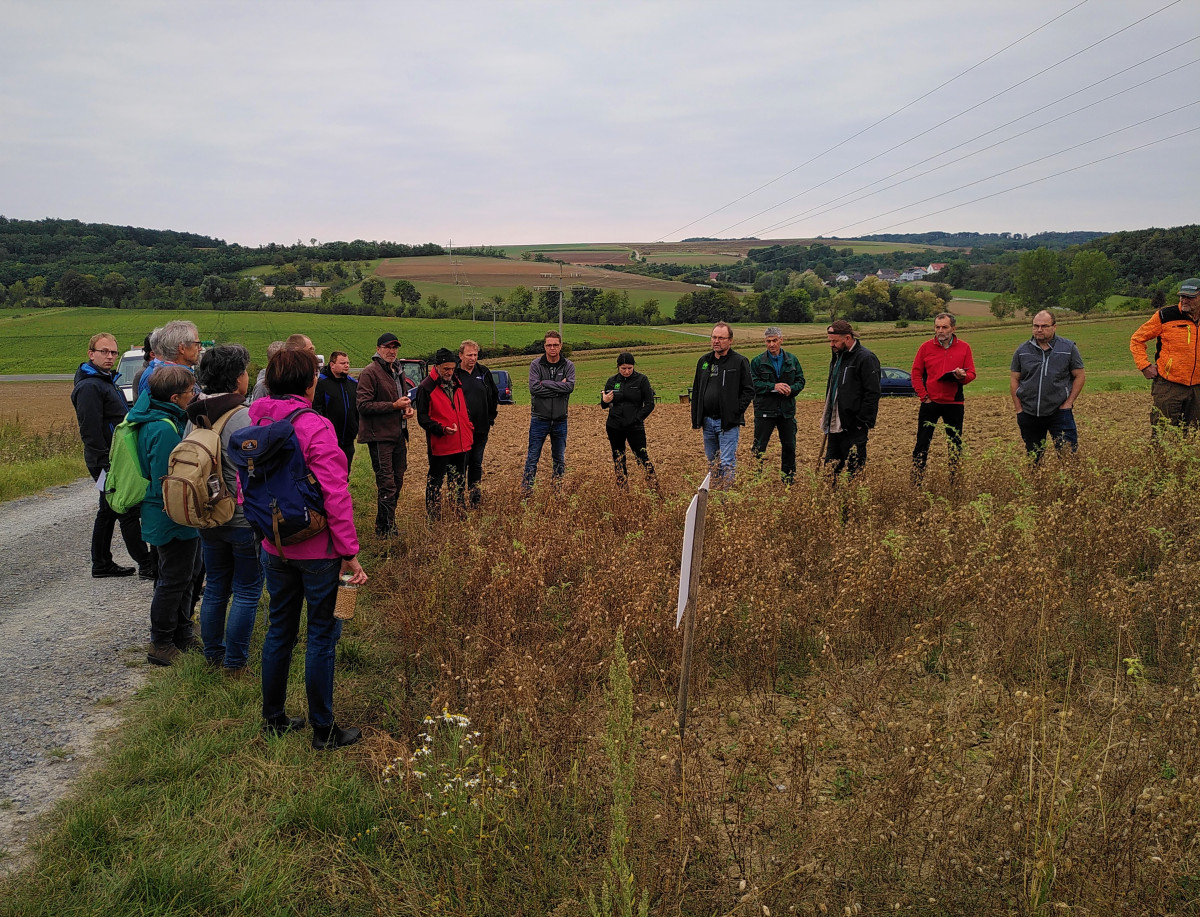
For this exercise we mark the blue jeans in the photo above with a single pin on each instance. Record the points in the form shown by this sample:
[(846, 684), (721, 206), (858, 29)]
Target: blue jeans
[(539, 429), (720, 448), (290, 584), (1059, 426), (233, 569)]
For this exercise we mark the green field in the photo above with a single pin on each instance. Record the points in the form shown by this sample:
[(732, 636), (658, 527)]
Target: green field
[(54, 341)]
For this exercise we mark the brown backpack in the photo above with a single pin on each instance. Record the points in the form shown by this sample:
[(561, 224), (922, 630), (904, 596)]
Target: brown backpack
[(193, 489)]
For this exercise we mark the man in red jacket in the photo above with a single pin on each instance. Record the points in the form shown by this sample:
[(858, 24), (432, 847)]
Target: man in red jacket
[(942, 366), (442, 414)]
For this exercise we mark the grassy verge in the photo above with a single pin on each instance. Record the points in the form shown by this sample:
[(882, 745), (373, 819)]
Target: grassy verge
[(30, 462)]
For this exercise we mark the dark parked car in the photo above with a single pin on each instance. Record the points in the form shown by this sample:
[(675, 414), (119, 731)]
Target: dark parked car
[(504, 385), (894, 381)]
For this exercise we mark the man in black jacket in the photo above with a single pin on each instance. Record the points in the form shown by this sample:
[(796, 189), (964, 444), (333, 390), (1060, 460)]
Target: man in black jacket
[(337, 399), (851, 399), (99, 407), (721, 392), (483, 402)]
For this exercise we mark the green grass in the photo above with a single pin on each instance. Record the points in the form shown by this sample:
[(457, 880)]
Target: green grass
[(974, 294), (31, 462), (54, 341)]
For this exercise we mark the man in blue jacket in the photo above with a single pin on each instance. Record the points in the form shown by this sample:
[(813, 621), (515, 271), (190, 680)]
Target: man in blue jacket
[(99, 407)]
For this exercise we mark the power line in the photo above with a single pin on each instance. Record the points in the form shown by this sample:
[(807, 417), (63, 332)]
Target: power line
[(946, 121), (877, 123), (1023, 165), (818, 211), (1035, 181)]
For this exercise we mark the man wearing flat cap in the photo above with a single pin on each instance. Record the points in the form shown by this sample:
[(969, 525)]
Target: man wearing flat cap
[(442, 414), (1175, 372), (778, 379), (383, 406), (851, 399)]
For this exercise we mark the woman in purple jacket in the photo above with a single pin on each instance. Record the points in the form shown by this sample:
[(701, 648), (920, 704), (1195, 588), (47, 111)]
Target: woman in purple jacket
[(312, 567)]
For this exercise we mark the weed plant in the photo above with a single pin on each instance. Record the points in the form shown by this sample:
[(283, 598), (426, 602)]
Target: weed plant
[(30, 462)]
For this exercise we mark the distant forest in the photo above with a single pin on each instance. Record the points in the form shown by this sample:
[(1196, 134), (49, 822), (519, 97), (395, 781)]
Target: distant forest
[(68, 262)]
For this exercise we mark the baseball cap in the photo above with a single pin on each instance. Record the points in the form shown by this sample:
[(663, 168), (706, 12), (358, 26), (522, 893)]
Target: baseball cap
[(386, 338), (1189, 287)]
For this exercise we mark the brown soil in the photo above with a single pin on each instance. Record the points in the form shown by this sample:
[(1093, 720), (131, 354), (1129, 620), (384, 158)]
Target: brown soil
[(38, 406), (495, 272)]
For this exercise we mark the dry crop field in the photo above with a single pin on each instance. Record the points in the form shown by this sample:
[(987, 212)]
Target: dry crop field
[(498, 272), (978, 698)]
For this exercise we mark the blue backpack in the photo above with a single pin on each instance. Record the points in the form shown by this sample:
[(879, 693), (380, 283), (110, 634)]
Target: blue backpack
[(281, 497)]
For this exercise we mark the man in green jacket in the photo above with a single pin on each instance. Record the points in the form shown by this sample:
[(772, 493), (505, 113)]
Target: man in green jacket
[(160, 411), (778, 379)]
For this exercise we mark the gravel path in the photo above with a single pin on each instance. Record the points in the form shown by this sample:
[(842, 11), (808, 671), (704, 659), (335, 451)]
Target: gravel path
[(71, 649)]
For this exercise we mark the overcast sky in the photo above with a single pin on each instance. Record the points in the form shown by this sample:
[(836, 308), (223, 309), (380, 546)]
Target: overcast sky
[(510, 122)]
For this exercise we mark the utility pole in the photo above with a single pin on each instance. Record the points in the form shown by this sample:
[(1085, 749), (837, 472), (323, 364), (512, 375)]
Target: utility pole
[(560, 301)]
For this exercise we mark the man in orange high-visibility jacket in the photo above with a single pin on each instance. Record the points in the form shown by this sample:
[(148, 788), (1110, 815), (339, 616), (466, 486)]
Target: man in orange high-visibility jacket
[(1175, 371)]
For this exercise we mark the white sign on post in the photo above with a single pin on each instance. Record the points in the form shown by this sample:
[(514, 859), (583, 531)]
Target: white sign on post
[(689, 538)]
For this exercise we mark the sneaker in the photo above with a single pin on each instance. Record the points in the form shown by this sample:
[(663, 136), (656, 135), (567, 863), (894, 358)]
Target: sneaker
[(327, 738), (112, 569), (281, 725), (163, 654)]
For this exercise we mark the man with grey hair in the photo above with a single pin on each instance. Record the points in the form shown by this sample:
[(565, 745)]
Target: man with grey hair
[(778, 379), (176, 343), (260, 384), (942, 366)]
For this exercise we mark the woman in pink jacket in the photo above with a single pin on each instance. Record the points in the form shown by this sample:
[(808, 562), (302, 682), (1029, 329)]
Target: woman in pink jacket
[(310, 569)]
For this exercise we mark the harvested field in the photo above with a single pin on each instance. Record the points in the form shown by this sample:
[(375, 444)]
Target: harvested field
[(497, 272)]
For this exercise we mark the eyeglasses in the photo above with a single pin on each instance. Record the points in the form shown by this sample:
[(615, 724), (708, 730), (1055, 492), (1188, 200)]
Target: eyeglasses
[(194, 343), (107, 353), (720, 337)]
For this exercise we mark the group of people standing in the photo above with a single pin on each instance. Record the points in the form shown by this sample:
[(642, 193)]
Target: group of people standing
[(225, 567)]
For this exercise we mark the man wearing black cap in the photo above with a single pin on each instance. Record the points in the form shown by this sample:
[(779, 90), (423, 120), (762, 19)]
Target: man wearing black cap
[(1175, 372), (629, 399), (442, 414), (851, 399), (382, 409)]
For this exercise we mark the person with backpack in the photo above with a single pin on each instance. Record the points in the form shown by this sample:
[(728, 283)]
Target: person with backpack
[(160, 414), (99, 407), (230, 551), (307, 569)]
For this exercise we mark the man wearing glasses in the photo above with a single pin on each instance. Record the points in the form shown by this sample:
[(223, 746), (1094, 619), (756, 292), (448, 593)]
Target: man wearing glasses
[(1046, 378), (100, 406), (174, 344), (721, 392), (383, 406)]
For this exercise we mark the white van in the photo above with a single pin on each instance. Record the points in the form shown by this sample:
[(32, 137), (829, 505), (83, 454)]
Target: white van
[(131, 362)]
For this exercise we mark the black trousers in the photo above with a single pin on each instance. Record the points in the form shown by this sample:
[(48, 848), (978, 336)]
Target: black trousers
[(927, 418), (475, 464), (453, 470), (131, 534), (636, 438), (847, 451), (787, 441), (389, 461)]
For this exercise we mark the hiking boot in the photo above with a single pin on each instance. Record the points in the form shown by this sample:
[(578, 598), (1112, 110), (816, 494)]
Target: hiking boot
[(327, 738), (112, 569), (192, 644), (240, 673), (163, 654), (281, 725)]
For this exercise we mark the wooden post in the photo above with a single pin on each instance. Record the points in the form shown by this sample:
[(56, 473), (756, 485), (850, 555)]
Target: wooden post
[(689, 618)]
